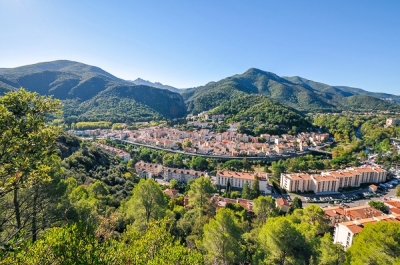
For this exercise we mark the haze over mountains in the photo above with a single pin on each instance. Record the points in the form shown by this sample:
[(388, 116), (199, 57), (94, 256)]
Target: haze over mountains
[(90, 93)]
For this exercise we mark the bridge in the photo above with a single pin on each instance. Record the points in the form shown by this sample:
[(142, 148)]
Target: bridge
[(315, 150)]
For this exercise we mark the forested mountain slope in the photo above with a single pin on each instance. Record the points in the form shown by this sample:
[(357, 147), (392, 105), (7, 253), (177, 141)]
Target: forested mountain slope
[(91, 93), (295, 92)]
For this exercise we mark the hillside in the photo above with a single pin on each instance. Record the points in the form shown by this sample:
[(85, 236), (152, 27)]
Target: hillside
[(295, 92), (90, 93), (260, 112)]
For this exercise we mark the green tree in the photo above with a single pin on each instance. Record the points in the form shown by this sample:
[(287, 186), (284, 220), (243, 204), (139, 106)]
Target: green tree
[(228, 189), (173, 184), (200, 193), (264, 207), (255, 188), (69, 245), (281, 243), (379, 205), (246, 191), (222, 237), (314, 217), (27, 159), (199, 163), (187, 143), (296, 204), (147, 203), (378, 243), (153, 246), (330, 253), (398, 190)]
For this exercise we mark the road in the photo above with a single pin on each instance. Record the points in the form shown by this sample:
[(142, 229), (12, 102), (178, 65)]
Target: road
[(249, 158)]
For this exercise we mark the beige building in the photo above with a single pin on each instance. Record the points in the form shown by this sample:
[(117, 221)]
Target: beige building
[(392, 122), (148, 170), (332, 181), (238, 179), (182, 175)]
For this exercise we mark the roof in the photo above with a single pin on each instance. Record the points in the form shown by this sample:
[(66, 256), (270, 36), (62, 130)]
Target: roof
[(362, 212), (357, 226), (282, 202), (238, 175), (299, 176), (171, 192)]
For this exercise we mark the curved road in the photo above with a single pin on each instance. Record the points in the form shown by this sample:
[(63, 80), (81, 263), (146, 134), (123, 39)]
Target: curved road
[(265, 158)]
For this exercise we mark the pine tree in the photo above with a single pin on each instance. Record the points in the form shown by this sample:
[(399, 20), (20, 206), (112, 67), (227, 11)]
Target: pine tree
[(228, 189), (246, 191), (255, 188)]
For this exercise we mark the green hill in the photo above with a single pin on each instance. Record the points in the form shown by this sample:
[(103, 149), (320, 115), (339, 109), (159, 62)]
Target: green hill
[(295, 92), (91, 94), (260, 112)]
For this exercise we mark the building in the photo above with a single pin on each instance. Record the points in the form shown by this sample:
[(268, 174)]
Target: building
[(148, 170), (346, 231), (392, 122), (394, 205), (181, 175), (172, 193), (296, 182), (125, 156), (282, 204), (332, 181), (238, 179), (339, 214)]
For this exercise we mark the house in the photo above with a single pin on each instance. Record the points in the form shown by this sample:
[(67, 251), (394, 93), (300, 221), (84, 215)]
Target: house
[(392, 122), (346, 231), (282, 204), (339, 214), (372, 188), (172, 193), (394, 205)]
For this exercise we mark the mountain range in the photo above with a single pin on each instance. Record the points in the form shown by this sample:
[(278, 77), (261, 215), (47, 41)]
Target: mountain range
[(90, 93), (296, 92)]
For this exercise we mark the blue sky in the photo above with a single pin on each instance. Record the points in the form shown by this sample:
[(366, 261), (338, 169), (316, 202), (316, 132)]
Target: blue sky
[(189, 43)]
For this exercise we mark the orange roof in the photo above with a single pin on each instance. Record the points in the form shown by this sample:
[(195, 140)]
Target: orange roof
[(393, 203), (282, 202), (324, 178), (299, 176), (234, 174)]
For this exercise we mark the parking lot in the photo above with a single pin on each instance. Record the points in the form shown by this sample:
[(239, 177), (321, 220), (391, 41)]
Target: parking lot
[(351, 198)]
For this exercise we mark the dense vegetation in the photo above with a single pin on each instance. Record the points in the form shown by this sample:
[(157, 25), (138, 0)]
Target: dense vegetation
[(260, 114), (295, 92), (357, 134)]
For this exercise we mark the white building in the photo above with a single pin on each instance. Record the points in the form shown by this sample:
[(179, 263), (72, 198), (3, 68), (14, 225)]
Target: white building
[(332, 181), (345, 232), (238, 180)]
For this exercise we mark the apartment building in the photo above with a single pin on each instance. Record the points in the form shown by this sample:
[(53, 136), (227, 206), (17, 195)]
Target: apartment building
[(332, 181), (148, 170), (181, 175), (238, 180)]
